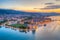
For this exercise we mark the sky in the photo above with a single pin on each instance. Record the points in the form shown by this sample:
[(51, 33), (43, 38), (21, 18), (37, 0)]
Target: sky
[(31, 5)]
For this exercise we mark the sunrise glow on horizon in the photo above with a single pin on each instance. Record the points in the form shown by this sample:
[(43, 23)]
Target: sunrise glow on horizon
[(31, 5)]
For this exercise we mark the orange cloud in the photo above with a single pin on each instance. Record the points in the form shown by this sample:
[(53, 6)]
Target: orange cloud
[(30, 9), (52, 10)]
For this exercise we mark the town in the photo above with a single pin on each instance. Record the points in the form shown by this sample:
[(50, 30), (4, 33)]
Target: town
[(23, 21)]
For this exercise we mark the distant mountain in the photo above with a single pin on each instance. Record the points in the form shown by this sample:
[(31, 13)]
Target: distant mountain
[(9, 11)]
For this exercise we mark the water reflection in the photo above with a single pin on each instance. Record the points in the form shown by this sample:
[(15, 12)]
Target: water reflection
[(33, 31), (44, 31), (0, 26), (23, 30)]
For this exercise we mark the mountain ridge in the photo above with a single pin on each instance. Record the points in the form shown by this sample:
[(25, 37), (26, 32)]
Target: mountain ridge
[(10, 11)]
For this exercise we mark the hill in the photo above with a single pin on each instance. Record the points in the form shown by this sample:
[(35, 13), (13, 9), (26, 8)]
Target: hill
[(9, 11)]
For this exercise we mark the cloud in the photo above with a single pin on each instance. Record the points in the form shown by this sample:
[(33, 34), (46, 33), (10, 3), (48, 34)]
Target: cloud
[(49, 3), (49, 7), (57, 0)]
